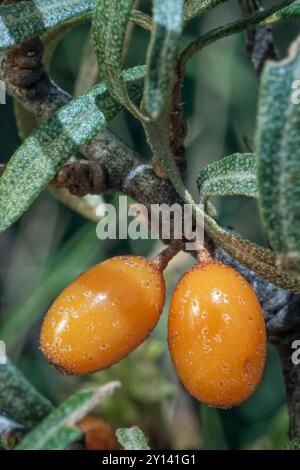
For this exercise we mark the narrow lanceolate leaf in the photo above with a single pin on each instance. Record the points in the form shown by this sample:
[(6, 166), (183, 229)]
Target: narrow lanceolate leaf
[(198, 7), (233, 175), (292, 11), (34, 17), (132, 438), (110, 22), (162, 52), (59, 429), (278, 158), (42, 154), (19, 399)]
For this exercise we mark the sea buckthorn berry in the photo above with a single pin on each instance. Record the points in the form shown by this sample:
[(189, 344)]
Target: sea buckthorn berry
[(103, 315), (216, 335)]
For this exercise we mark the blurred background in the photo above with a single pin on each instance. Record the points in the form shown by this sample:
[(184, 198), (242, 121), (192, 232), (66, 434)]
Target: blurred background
[(51, 245)]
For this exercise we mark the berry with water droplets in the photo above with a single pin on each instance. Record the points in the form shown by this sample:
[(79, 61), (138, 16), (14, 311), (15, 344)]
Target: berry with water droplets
[(103, 315), (216, 335)]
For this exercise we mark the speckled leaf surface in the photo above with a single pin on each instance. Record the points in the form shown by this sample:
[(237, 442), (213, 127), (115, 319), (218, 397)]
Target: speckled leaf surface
[(278, 158), (132, 438), (58, 430), (34, 17), (162, 52), (42, 154), (19, 399), (233, 175), (110, 22)]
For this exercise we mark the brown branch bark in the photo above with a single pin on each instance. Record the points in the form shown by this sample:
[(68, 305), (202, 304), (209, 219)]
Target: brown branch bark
[(282, 310)]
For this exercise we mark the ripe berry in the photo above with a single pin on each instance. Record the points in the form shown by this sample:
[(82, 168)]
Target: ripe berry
[(216, 335), (103, 315)]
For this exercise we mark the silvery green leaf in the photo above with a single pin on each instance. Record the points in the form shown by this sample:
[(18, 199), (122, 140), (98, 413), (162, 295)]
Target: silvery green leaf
[(3, 445), (42, 154), (232, 175), (19, 399), (132, 438), (162, 52), (278, 158), (31, 18), (291, 11), (58, 430)]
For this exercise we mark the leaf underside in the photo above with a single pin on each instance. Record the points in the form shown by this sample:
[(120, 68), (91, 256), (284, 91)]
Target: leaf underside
[(132, 438), (162, 52), (19, 399), (230, 176), (109, 31)]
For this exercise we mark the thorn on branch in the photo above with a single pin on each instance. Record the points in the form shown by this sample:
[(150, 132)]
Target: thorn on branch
[(80, 178)]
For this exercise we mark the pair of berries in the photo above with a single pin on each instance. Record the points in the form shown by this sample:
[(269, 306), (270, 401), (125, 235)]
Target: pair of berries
[(216, 331)]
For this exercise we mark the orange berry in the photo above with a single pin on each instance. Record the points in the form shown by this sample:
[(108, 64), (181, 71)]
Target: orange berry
[(98, 435), (103, 315), (216, 335)]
